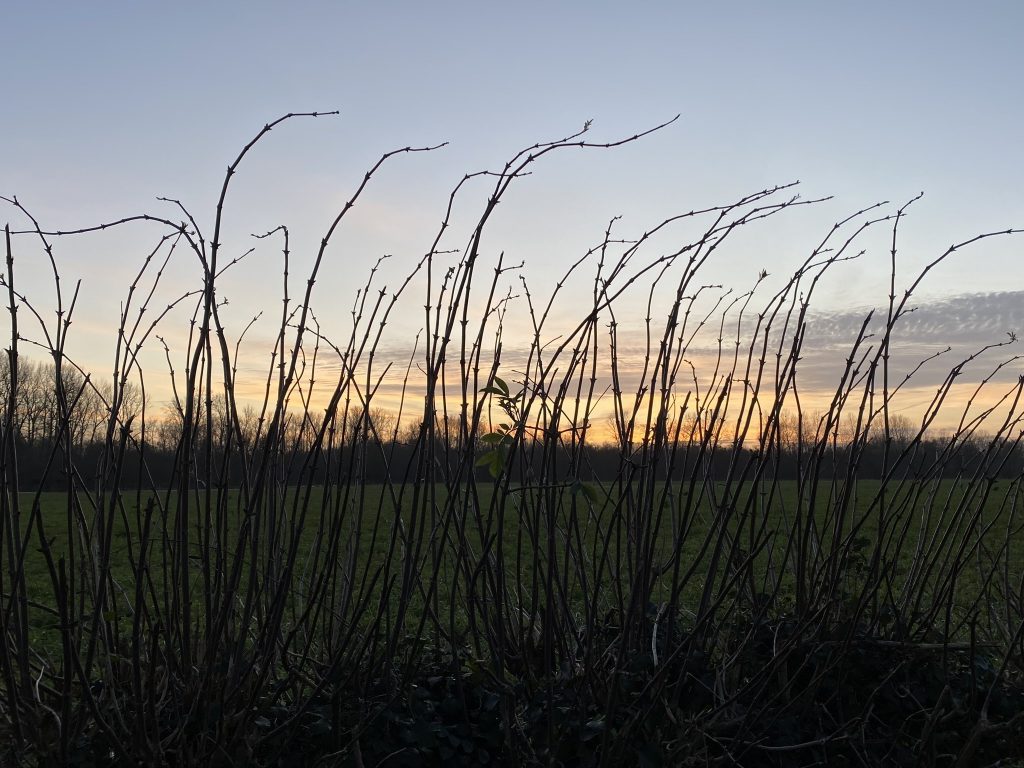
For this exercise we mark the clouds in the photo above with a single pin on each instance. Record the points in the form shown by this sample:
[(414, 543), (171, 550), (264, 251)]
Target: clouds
[(965, 320), (965, 324), (937, 336)]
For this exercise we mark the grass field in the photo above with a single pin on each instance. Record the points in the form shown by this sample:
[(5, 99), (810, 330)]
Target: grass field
[(972, 542)]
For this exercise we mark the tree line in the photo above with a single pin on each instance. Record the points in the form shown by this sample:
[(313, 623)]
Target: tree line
[(374, 446)]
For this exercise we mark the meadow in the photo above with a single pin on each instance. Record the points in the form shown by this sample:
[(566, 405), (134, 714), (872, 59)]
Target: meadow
[(726, 579), (918, 523)]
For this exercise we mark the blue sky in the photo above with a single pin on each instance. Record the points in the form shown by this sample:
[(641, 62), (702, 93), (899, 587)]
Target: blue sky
[(106, 106)]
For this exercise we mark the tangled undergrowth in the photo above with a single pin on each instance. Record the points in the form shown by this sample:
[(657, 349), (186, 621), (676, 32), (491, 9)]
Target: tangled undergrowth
[(742, 583)]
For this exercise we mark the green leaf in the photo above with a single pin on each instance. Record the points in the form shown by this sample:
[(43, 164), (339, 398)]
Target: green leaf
[(501, 385), (493, 460), (496, 463)]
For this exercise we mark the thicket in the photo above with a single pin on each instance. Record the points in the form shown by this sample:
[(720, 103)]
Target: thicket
[(724, 589)]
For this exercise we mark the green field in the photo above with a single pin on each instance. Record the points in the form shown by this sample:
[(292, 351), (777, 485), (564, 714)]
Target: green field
[(595, 539)]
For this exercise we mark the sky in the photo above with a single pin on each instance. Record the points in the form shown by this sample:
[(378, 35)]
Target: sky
[(106, 107)]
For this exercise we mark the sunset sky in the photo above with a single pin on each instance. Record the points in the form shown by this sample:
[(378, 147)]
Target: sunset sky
[(107, 106)]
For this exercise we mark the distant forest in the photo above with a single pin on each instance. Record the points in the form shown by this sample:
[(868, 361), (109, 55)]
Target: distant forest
[(373, 447)]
